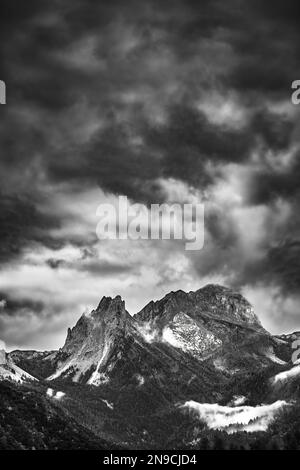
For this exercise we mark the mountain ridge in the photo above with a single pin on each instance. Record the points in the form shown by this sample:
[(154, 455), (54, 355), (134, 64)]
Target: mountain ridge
[(126, 376), (93, 348)]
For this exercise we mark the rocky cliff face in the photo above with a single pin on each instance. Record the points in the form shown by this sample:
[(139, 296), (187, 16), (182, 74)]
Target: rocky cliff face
[(129, 377), (132, 377), (10, 371), (182, 327), (199, 322), (87, 353), (217, 301)]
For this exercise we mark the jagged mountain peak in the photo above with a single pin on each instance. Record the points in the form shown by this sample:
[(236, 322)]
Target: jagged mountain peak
[(214, 288), (214, 291), (110, 308), (213, 300), (196, 322), (91, 343), (109, 303), (110, 317)]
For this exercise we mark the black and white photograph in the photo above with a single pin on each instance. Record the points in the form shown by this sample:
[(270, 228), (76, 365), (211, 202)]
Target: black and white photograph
[(149, 228)]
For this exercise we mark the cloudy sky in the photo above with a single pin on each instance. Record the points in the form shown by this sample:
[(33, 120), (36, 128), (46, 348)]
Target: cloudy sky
[(161, 101)]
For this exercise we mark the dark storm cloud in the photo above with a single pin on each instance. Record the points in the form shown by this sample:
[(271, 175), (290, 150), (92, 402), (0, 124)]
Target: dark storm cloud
[(110, 161), (268, 59), (280, 267), (268, 184), (28, 322), (90, 265), (105, 268), (16, 306), (273, 131), (143, 67), (41, 79), (26, 48), (180, 148), (21, 224), (188, 141), (283, 265), (55, 263)]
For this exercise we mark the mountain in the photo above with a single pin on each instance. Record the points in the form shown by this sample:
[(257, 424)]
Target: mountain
[(212, 301), (200, 322), (178, 332), (10, 371), (184, 363), (40, 364), (95, 343)]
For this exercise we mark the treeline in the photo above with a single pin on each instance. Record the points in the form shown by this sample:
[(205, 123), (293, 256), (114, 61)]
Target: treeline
[(282, 434), (28, 421)]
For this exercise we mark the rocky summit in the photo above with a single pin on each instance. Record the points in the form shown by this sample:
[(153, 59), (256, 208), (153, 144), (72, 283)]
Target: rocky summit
[(88, 353), (196, 324)]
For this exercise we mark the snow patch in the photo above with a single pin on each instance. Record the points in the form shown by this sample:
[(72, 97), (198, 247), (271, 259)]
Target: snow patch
[(148, 332), (10, 371), (59, 372), (56, 395), (238, 400), (274, 358), (97, 378), (108, 404), (280, 341), (78, 366), (236, 419), (185, 334), (286, 375), (169, 337), (140, 379), (221, 365)]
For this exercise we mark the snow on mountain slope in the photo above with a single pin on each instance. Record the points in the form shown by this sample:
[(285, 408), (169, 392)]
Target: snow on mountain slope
[(108, 404), (91, 343), (286, 375), (238, 400), (236, 419), (98, 377), (57, 395), (184, 333), (275, 359), (181, 324), (10, 371)]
